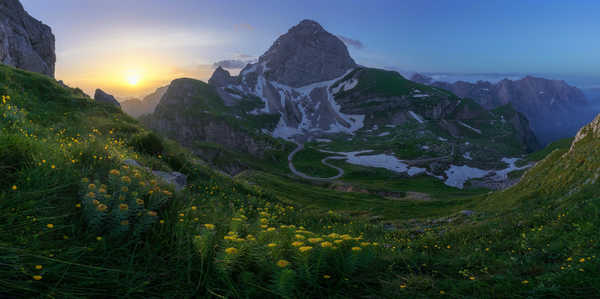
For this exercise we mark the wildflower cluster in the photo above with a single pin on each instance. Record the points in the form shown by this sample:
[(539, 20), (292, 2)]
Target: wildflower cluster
[(127, 203)]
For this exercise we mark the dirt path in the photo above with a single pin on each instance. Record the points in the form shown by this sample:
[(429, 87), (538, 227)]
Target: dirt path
[(323, 161)]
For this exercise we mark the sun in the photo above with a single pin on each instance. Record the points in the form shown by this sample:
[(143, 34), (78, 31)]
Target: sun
[(133, 78)]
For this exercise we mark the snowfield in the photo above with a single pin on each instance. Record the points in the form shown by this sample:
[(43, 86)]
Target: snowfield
[(388, 162)]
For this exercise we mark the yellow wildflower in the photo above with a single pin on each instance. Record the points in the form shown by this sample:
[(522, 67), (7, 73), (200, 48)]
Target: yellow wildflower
[(114, 172), (209, 226), (338, 241), (525, 282), (356, 249), (50, 225), (37, 277), (282, 263), (270, 229), (124, 222), (91, 195), (326, 244), (297, 243), (231, 250), (101, 207), (152, 213), (300, 237), (139, 201), (92, 186), (305, 248), (326, 276), (38, 267), (271, 245), (123, 207), (315, 240)]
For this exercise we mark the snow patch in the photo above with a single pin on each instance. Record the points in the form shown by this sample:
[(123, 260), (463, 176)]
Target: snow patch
[(416, 117), (442, 139), (420, 95), (388, 162), (384, 134), (467, 126), (322, 140), (467, 156)]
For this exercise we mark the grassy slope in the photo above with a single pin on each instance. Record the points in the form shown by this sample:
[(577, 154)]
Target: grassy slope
[(537, 239)]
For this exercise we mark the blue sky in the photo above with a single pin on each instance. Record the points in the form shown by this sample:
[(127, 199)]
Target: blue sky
[(165, 39)]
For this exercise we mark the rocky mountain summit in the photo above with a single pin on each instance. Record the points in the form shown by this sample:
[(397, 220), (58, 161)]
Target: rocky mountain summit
[(25, 42), (305, 54), (554, 108), (103, 97)]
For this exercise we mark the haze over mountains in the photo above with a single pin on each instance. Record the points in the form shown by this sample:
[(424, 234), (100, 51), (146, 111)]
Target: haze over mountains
[(554, 108)]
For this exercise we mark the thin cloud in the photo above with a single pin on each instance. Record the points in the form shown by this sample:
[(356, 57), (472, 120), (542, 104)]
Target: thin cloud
[(352, 42)]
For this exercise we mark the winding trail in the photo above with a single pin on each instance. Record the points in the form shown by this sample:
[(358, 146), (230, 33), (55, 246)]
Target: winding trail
[(323, 161)]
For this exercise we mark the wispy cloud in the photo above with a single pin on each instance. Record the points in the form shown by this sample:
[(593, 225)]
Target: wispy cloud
[(352, 42)]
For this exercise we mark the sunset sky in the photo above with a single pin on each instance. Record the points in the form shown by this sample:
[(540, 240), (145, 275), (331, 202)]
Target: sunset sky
[(111, 44)]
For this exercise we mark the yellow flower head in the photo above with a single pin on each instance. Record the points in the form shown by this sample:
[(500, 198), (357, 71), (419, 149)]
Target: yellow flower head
[(300, 237), (338, 241), (92, 186), (209, 226), (123, 207), (38, 267), (101, 207), (231, 250), (305, 248), (315, 240), (126, 179), (84, 180), (91, 195), (271, 245), (282, 263), (270, 229), (326, 244), (124, 189), (326, 276), (50, 225), (139, 201), (152, 213), (356, 249), (37, 277), (297, 243), (124, 222), (114, 172)]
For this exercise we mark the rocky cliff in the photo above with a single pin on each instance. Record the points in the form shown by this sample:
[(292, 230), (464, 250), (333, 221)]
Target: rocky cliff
[(554, 108), (191, 111), (25, 42)]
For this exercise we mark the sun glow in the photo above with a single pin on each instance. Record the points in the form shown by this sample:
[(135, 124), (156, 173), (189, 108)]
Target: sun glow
[(133, 78)]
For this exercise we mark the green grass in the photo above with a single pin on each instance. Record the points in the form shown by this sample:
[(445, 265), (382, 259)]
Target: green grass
[(224, 237)]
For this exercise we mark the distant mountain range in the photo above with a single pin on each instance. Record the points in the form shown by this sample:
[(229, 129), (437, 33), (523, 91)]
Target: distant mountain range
[(554, 108), (307, 89), (137, 108)]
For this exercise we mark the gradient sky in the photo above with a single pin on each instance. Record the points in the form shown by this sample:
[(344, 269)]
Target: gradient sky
[(99, 43)]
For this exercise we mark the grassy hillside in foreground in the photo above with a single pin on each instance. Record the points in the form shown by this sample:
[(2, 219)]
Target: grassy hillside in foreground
[(76, 222)]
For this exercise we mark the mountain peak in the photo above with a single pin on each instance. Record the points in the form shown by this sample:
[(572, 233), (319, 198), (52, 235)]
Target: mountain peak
[(306, 54)]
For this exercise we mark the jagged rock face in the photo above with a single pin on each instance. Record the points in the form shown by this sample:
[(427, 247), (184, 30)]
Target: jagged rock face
[(137, 108), (293, 78), (102, 97), (180, 116), (25, 42), (554, 108), (306, 54)]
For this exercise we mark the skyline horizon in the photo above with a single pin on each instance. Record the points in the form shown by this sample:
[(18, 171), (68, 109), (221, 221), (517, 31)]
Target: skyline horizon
[(164, 42)]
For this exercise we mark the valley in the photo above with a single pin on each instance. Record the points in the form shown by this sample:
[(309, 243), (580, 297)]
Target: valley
[(305, 175)]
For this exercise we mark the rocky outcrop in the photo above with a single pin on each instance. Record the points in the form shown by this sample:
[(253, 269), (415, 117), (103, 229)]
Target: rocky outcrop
[(554, 108), (591, 129), (102, 97), (183, 115), (306, 54), (25, 42), (137, 108), (220, 78)]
